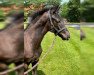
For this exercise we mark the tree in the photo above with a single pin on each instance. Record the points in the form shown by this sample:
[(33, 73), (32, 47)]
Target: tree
[(64, 10), (46, 2), (73, 11), (36, 2), (87, 11), (90, 1), (53, 2)]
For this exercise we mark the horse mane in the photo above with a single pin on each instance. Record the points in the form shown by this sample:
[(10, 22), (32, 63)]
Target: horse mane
[(40, 12), (37, 13)]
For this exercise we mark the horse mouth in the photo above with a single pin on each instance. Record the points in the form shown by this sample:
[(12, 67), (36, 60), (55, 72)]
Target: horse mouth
[(63, 37)]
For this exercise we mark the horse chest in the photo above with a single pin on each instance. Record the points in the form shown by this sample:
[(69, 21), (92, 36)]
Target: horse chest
[(33, 54)]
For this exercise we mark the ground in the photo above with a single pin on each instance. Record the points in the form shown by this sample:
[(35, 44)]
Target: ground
[(73, 57)]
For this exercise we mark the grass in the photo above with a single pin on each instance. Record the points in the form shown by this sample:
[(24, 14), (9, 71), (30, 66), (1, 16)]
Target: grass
[(73, 57), (2, 25)]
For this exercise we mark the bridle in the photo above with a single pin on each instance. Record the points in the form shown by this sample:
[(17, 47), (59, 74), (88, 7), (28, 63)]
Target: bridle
[(53, 26)]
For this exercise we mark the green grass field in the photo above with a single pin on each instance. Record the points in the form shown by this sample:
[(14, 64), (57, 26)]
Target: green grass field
[(73, 57)]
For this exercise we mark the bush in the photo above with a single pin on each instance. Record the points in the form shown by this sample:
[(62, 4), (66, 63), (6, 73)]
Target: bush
[(88, 14)]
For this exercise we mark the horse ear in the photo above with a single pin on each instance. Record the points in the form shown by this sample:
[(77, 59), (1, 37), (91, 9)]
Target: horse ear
[(58, 8), (55, 9)]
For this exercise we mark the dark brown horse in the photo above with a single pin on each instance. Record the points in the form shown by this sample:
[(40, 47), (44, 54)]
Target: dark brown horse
[(82, 35), (41, 22), (12, 42)]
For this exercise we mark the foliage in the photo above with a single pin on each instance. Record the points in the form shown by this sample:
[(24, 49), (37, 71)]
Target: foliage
[(87, 11), (35, 2), (90, 1), (73, 10), (88, 15), (27, 3), (64, 10), (2, 17), (73, 14), (6, 3), (53, 2), (46, 2)]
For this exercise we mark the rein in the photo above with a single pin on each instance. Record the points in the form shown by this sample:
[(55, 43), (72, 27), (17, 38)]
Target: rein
[(49, 49), (10, 70)]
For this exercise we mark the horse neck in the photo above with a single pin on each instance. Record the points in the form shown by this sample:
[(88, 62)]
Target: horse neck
[(39, 29)]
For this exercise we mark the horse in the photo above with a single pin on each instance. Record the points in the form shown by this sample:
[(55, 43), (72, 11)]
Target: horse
[(82, 35), (12, 42), (42, 21)]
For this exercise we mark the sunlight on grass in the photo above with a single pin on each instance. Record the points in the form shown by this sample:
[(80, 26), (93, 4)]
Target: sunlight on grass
[(73, 57), (2, 25)]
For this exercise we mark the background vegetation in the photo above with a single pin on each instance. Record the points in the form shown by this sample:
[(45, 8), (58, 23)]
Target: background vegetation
[(73, 11)]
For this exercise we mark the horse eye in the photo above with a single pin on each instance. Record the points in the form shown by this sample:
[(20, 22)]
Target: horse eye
[(58, 21)]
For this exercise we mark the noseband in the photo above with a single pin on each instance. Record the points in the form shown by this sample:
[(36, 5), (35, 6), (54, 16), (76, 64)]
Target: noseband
[(53, 26)]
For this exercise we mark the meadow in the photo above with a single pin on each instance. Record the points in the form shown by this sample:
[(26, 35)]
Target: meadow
[(72, 57)]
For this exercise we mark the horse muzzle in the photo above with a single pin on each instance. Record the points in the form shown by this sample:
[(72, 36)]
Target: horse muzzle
[(64, 36)]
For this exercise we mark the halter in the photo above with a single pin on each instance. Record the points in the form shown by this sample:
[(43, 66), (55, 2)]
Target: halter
[(53, 26)]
